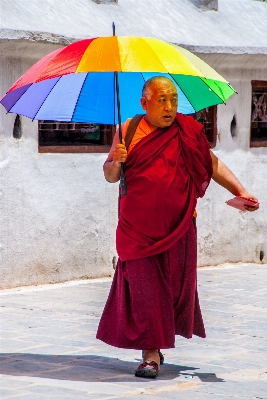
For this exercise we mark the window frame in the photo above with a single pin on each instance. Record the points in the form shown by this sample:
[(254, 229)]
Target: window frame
[(255, 84), (214, 129), (83, 148), (105, 148)]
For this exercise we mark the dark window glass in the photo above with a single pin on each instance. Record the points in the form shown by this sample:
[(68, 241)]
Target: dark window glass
[(258, 136), (208, 117), (71, 137), (17, 128)]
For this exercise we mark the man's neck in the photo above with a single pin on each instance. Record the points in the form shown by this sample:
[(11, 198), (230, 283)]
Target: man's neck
[(152, 127)]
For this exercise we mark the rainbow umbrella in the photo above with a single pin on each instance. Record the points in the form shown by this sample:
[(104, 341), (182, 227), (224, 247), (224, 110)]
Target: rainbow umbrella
[(76, 83), (99, 80)]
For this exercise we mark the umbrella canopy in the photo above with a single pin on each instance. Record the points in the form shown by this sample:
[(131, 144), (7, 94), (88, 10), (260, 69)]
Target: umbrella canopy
[(77, 83)]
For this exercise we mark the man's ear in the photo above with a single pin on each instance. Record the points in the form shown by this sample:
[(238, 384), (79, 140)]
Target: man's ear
[(143, 102)]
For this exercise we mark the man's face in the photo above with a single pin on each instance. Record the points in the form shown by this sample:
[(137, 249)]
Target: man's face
[(161, 108)]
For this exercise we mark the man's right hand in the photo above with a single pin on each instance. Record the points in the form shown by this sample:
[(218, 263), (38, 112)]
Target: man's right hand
[(116, 155), (120, 153)]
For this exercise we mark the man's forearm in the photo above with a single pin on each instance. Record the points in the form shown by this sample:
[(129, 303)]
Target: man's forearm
[(224, 177), (112, 171)]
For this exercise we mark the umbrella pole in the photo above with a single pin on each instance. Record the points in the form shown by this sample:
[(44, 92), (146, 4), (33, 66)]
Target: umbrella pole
[(122, 175)]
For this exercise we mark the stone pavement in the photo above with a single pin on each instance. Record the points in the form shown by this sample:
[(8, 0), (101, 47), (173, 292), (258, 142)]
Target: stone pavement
[(49, 351)]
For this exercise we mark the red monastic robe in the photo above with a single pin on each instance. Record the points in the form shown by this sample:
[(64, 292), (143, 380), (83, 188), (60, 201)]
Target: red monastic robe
[(154, 293)]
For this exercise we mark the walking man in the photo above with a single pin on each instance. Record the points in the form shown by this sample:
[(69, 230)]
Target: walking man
[(168, 165)]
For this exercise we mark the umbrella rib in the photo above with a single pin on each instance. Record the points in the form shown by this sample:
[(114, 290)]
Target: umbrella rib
[(74, 109), (114, 91), (182, 91), (224, 101), (18, 98), (212, 90), (143, 77), (46, 97), (143, 80)]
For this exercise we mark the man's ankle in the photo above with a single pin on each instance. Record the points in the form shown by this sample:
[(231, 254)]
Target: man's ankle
[(151, 355)]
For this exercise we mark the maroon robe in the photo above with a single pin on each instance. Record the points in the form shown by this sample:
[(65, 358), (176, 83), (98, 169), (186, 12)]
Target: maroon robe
[(154, 292)]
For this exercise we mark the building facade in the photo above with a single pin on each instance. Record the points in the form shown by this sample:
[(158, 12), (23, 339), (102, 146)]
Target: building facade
[(58, 214)]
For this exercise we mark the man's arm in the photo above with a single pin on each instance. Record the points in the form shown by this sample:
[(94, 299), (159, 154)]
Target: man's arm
[(224, 177), (117, 155)]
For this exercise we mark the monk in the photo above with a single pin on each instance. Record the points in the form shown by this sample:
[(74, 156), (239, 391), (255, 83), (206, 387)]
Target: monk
[(168, 165)]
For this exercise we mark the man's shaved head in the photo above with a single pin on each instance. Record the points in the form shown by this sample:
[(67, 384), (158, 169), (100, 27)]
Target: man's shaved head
[(147, 90)]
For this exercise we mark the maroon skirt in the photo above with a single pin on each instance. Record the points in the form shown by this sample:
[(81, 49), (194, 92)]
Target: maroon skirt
[(153, 299)]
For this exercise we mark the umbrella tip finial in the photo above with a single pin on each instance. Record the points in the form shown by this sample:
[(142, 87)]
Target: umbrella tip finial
[(113, 28)]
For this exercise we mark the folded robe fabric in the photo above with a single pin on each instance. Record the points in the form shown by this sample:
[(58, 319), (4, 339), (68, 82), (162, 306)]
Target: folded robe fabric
[(165, 173), (152, 299)]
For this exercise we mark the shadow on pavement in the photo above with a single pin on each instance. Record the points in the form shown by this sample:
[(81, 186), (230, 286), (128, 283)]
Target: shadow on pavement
[(88, 368)]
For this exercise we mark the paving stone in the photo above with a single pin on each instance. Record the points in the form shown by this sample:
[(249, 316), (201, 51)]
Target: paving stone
[(49, 349), (7, 393)]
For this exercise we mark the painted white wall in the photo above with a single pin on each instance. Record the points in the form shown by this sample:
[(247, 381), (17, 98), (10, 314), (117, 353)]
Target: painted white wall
[(58, 215), (226, 234)]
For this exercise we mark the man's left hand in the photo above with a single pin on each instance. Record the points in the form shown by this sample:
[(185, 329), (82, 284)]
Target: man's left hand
[(250, 197)]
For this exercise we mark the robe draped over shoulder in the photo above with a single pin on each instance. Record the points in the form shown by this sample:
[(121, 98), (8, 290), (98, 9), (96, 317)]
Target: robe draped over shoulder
[(165, 173)]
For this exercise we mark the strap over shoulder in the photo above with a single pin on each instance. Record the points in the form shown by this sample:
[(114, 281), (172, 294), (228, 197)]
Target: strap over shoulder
[(132, 128)]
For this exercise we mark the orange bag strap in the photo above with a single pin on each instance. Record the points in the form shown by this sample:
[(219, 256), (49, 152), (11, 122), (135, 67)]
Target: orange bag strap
[(132, 128), (128, 138)]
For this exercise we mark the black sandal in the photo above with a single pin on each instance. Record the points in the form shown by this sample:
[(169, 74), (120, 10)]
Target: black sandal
[(161, 357), (147, 370)]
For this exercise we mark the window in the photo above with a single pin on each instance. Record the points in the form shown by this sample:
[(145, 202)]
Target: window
[(68, 137), (17, 128), (208, 117), (258, 131)]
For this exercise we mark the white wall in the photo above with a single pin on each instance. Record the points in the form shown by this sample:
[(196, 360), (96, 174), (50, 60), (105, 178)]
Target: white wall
[(226, 234), (58, 215)]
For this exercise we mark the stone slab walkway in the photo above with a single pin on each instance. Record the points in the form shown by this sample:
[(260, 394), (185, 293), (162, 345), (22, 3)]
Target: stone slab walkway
[(48, 349)]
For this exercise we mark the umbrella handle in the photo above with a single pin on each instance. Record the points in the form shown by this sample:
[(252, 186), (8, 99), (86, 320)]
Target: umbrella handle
[(123, 185), (123, 181)]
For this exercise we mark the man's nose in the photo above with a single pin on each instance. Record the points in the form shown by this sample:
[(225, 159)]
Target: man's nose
[(168, 105)]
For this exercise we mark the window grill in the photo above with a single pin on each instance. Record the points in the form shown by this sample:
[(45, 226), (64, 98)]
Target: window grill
[(208, 117), (68, 137), (258, 131)]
